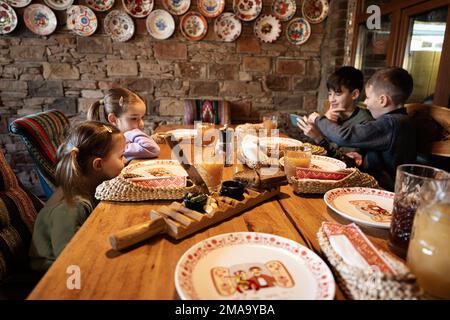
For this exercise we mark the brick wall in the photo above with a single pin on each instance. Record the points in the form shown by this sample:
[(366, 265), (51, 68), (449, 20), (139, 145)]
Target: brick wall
[(67, 72)]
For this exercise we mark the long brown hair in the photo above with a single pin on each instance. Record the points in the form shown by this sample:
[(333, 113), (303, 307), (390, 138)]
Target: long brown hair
[(85, 141)]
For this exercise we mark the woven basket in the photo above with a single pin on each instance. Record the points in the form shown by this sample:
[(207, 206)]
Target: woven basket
[(356, 178), (120, 189), (371, 284)]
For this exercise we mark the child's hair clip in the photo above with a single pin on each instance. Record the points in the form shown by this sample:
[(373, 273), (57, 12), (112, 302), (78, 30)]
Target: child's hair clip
[(75, 149), (121, 101), (107, 128), (102, 101)]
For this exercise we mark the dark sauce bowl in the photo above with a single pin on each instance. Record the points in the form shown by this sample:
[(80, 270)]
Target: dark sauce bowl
[(233, 189)]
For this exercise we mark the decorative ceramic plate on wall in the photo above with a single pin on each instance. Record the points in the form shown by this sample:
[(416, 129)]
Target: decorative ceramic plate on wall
[(18, 3), (177, 7), (247, 10), (193, 26), (267, 28), (315, 11), (100, 5), (160, 24), (8, 18), (59, 4), (119, 25), (284, 9), (298, 31), (81, 20), (138, 8), (227, 27), (40, 19), (211, 8)]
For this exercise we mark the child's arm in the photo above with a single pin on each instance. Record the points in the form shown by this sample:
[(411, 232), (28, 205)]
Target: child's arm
[(140, 145)]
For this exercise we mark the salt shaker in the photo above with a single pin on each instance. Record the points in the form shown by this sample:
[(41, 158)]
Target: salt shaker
[(226, 136)]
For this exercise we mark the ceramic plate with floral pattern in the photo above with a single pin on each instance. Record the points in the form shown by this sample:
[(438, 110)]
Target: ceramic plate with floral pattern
[(8, 18), (227, 27), (160, 24), (81, 20), (284, 9), (298, 31), (177, 7), (267, 28), (59, 4), (40, 19), (100, 5), (119, 25), (315, 11), (247, 10), (193, 26), (211, 8), (138, 8), (18, 3), (252, 265)]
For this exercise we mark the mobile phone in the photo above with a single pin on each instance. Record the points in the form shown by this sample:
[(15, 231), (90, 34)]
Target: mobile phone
[(294, 119)]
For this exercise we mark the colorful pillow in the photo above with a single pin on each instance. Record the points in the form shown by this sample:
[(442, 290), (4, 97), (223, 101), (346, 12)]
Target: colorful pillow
[(211, 111)]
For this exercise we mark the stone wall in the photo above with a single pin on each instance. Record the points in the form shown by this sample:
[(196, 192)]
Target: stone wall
[(68, 72)]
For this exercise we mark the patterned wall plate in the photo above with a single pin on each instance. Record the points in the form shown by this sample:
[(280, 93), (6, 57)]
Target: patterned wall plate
[(267, 28), (18, 3), (211, 8), (138, 8), (284, 9), (177, 7), (59, 4), (247, 10), (298, 31), (100, 5), (315, 11), (119, 25), (160, 24), (81, 20), (40, 19), (193, 26), (227, 27), (8, 18)]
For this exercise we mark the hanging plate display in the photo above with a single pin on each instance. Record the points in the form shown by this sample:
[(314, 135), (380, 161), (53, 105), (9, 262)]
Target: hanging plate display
[(100, 5), (8, 18), (298, 31), (211, 8), (315, 11), (138, 8), (284, 9), (81, 20), (40, 19), (227, 27), (59, 4), (267, 28), (247, 10), (119, 26), (18, 3), (160, 24), (177, 7), (193, 26)]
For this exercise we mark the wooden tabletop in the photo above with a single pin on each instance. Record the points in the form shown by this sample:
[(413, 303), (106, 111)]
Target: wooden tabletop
[(146, 271)]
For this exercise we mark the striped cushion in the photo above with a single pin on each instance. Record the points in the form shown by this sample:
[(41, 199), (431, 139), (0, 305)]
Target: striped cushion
[(212, 111)]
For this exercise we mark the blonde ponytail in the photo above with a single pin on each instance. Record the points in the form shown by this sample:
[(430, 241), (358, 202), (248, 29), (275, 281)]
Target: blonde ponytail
[(94, 110)]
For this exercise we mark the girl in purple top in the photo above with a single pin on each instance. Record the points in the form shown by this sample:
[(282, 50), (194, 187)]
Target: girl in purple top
[(126, 111)]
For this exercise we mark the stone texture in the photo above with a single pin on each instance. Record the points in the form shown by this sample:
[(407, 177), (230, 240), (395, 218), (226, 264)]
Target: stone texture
[(32, 53), (122, 68), (94, 45), (256, 64), (204, 88), (224, 72), (170, 51), (292, 102), (11, 85), (289, 66), (191, 70), (49, 88), (56, 71), (169, 107), (277, 83), (307, 83), (68, 106), (248, 45)]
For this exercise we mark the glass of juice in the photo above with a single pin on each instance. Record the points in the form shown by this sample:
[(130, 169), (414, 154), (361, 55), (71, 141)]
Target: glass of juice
[(270, 123), (210, 168), (296, 156)]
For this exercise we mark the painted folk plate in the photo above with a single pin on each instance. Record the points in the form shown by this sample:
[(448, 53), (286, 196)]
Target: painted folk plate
[(267, 28), (227, 27), (8, 18), (177, 7), (284, 9), (160, 24), (138, 8), (100, 5), (119, 25), (193, 26), (40, 19), (365, 206), (298, 31), (18, 3), (211, 8), (251, 265), (247, 10), (81, 20), (315, 11), (59, 4)]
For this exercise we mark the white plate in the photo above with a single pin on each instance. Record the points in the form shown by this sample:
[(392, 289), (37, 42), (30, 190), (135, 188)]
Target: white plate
[(9, 18), (119, 25), (323, 163), (177, 7), (214, 269), (355, 204), (247, 10), (59, 4), (267, 28), (100, 5), (81, 20), (183, 133), (18, 3), (138, 8), (284, 9), (40, 19), (160, 24), (227, 27), (149, 169)]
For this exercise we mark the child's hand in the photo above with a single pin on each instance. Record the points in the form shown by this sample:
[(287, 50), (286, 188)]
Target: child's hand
[(333, 114), (355, 156), (309, 129), (312, 117)]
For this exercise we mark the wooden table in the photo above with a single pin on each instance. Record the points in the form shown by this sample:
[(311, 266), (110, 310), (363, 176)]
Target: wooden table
[(146, 271)]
